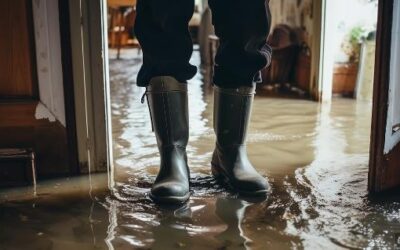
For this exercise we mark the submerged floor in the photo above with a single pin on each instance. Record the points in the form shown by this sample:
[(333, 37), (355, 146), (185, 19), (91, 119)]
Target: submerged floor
[(315, 157)]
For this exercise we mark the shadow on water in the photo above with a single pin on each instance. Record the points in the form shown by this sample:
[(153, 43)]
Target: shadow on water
[(315, 157)]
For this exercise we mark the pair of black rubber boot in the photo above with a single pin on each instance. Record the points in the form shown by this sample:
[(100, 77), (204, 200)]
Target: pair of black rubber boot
[(168, 104)]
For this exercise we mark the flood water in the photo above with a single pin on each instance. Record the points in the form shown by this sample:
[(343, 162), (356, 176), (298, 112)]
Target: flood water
[(315, 157)]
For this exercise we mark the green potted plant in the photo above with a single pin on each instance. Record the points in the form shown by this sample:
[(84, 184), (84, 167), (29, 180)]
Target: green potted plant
[(351, 44)]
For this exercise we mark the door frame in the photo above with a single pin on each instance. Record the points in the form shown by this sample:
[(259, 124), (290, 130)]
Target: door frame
[(383, 173), (321, 69), (89, 48)]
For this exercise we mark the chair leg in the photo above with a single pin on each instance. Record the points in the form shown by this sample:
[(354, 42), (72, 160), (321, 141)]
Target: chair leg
[(33, 171)]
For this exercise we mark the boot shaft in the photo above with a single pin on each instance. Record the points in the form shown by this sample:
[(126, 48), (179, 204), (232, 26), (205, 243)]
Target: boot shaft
[(232, 112), (168, 105)]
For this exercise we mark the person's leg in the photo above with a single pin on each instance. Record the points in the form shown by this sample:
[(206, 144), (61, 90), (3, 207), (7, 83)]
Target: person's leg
[(161, 28), (243, 27)]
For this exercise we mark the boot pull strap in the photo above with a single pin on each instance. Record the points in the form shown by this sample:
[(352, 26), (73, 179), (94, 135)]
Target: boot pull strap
[(143, 96), (148, 106)]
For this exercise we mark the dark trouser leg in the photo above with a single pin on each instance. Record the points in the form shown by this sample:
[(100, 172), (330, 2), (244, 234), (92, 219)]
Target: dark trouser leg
[(232, 110), (243, 28), (162, 30)]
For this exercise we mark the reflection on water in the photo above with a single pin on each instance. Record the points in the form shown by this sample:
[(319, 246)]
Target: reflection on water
[(315, 157)]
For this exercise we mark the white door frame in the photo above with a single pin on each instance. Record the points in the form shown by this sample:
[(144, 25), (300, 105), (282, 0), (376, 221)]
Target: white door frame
[(327, 55), (317, 49), (89, 44), (322, 59)]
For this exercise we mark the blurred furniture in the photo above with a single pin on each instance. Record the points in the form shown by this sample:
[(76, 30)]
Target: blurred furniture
[(121, 28), (194, 26), (205, 30), (303, 68), (285, 49), (213, 44), (121, 19), (213, 47), (291, 58), (9, 173), (116, 3)]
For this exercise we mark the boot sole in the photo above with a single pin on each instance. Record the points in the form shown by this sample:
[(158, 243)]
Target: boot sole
[(170, 199), (220, 174)]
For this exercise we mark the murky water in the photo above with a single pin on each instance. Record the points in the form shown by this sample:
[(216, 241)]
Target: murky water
[(315, 157)]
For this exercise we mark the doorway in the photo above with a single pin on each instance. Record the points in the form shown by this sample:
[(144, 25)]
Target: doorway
[(323, 65), (316, 156)]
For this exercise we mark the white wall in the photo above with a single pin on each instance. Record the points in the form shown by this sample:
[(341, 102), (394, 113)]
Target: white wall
[(48, 58)]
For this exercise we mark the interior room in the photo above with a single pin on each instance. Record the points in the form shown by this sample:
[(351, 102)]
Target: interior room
[(316, 151)]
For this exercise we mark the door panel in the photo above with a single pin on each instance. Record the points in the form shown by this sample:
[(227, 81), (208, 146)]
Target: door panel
[(384, 171), (16, 50), (393, 119)]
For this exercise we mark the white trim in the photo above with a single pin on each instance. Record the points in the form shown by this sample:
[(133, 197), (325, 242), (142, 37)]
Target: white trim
[(317, 49), (48, 57), (91, 84), (75, 12), (100, 115), (327, 53), (107, 93), (392, 138), (42, 112)]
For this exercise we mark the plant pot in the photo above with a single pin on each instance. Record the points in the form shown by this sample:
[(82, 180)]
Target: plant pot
[(344, 78)]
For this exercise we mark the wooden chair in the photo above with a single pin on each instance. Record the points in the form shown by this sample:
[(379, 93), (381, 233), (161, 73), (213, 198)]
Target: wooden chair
[(285, 50), (17, 154), (122, 22)]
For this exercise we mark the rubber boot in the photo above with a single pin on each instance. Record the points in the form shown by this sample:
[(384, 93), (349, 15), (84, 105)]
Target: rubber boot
[(168, 105), (232, 110)]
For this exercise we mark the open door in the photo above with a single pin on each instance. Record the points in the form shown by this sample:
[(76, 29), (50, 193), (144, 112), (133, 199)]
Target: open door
[(385, 135)]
